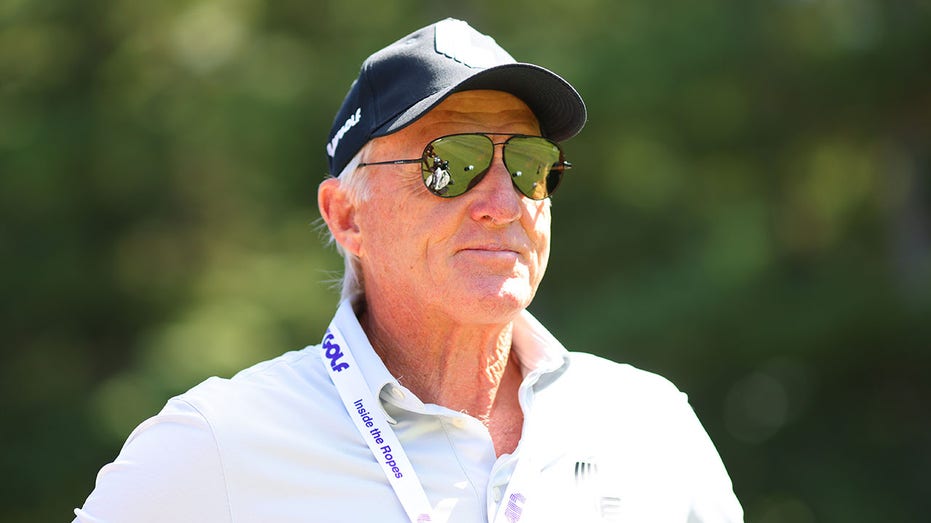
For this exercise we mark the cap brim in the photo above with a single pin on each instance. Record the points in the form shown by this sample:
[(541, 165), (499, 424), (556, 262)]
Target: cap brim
[(556, 104)]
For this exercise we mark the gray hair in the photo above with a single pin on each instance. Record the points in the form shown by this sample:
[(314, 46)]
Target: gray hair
[(354, 182)]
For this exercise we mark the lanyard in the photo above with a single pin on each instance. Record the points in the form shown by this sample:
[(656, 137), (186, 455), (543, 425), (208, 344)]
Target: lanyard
[(372, 424), (367, 415)]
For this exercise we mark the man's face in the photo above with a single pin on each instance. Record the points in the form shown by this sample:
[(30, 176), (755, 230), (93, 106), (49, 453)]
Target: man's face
[(475, 258)]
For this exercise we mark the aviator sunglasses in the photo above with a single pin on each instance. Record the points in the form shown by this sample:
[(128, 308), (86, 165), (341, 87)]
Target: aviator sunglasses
[(451, 165)]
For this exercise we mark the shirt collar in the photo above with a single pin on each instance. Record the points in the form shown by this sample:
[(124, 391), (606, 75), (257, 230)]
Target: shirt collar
[(542, 357), (373, 369), (539, 352)]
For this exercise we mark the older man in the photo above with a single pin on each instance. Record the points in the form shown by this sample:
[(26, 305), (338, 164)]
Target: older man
[(434, 395)]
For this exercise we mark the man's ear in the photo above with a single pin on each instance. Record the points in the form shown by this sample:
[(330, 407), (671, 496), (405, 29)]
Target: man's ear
[(339, 214)]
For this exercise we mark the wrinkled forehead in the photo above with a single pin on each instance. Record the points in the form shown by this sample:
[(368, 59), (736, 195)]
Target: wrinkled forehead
[(479, 111)]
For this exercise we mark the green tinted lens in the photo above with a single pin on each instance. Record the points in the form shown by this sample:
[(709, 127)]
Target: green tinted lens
[(535, 165), (454, 164)]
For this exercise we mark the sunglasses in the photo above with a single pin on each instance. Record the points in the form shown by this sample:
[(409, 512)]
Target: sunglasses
[(451, 165)]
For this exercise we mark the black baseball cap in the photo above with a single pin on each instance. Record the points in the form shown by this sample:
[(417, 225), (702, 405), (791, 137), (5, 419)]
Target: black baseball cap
[(400, 83)]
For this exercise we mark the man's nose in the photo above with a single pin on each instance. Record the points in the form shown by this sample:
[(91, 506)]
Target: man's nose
[(495, 199)]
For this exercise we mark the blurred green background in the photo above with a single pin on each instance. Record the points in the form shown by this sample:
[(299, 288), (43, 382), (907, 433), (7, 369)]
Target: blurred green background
[(750, 216)]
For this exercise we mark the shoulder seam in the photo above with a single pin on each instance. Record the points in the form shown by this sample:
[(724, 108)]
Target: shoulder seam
[(216, 445)]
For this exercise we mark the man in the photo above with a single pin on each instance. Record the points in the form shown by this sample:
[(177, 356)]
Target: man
[(434, 395)]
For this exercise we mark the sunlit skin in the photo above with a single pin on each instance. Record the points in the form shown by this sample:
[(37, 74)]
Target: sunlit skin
[(444, 278)]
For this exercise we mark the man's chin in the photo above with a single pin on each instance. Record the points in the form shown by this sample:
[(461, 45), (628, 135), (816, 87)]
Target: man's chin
[(498, 302)]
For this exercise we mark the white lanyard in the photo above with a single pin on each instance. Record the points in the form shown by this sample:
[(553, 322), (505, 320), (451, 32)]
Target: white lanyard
[(366, 412)]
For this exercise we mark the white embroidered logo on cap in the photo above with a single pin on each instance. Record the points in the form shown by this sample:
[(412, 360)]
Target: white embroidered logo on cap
[(349, 124), (454, 38)]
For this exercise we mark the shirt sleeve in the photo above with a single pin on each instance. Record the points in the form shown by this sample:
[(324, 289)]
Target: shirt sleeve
[(168, 470), (714, 500)]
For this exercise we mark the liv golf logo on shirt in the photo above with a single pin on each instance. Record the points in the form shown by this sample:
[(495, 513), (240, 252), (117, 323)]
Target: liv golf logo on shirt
[(334, 353)]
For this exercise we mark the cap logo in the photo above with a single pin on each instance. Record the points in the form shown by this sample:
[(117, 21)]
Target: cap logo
[(455, 39), (349, 124)]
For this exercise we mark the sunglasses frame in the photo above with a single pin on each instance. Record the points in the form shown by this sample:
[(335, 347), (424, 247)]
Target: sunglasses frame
[(560, 165)]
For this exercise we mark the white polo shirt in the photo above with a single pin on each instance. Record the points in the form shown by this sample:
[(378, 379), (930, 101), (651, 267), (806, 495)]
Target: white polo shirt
[(275, 444)]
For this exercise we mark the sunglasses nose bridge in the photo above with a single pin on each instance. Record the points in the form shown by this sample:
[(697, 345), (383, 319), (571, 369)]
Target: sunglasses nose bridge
[(494, 199), (496, 176), (497, 152), (497, 162)]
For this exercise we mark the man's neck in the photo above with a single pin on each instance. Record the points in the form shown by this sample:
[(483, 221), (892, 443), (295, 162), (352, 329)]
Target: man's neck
[(466, 368)]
